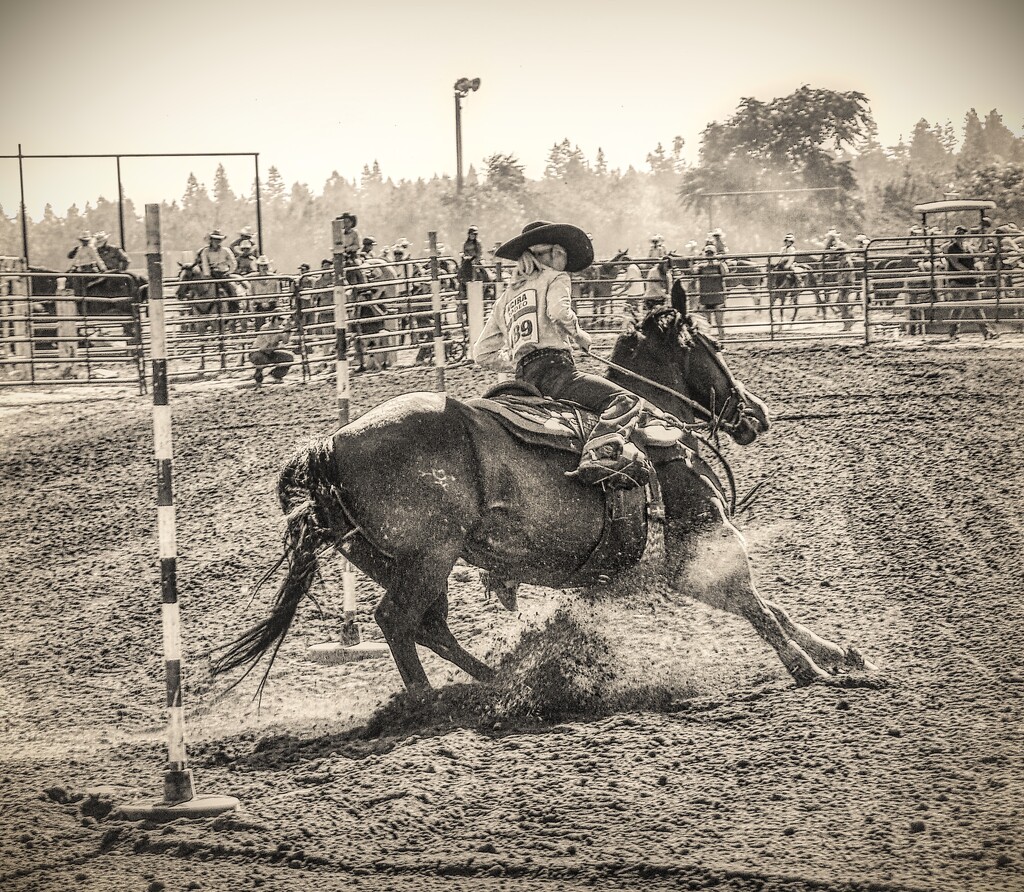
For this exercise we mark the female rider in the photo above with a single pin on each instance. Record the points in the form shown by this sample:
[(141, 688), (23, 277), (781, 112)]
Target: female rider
[(532, 328)]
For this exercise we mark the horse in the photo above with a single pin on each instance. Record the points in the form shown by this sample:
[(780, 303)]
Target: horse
[(209, 300), (746, 273), (114, 296), (424, 479)]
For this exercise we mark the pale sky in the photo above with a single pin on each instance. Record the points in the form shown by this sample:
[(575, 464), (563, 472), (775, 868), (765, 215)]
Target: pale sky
[(315, 86)]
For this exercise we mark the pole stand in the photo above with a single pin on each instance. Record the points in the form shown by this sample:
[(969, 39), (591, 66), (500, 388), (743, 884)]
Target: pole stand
[(180, 801)]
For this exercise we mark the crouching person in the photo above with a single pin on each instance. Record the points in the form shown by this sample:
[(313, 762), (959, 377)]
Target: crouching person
[(267, 352)]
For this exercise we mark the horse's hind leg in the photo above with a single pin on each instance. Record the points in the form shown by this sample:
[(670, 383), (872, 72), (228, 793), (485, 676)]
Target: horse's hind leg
[(715, 569), (435, 634)]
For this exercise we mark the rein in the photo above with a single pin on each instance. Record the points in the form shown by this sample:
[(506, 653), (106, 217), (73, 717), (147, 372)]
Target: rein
[(714, 422)]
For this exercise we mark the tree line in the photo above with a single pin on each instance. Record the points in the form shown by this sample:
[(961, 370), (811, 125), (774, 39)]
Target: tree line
[(822, 142)]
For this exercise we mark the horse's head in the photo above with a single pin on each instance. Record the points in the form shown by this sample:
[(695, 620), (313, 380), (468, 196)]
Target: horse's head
[(677, 352)]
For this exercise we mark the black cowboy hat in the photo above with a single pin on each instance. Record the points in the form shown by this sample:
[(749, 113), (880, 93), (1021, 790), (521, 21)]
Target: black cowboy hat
[(578, 248), (348, 216)]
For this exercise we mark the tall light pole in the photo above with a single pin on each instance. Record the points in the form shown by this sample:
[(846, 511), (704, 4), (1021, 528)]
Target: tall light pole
[(462, 87)]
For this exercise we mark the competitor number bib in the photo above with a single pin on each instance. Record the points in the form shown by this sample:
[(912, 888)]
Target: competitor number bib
[(521, 320)]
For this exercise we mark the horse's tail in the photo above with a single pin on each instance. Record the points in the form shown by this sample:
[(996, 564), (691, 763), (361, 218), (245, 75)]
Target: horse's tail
[(304, 485)]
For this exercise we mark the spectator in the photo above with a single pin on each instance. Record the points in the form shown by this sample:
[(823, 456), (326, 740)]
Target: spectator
[(350, 243), (964, 284), (113, 256), (631, 290), (369, 243), (472, 254), (710, 273), (244, 248), (305, 280), (385, 254), (264, 290), (658, 284), (267, 350), (838, 272), (717, 238), (84, 257), (352, 248), (402, 250), (657, 249)]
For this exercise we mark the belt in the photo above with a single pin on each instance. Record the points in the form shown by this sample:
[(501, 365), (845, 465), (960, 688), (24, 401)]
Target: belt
[(543, 353)]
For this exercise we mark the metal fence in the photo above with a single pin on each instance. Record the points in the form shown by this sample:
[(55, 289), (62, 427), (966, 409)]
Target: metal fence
[(68, 328), (51, 331)]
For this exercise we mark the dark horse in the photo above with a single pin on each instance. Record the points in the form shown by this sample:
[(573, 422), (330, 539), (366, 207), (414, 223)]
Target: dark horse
[(424, 479), (96, 296), (203, 302)]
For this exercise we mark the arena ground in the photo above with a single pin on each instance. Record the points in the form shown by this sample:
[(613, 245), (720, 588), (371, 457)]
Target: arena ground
[(891, 519)]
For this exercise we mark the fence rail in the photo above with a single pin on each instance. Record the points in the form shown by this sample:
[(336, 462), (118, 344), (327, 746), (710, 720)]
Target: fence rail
[(62, 328)]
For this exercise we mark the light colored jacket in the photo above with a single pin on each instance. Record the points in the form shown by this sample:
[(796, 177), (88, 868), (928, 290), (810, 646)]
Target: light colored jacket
[(219, 261), (536, 314)]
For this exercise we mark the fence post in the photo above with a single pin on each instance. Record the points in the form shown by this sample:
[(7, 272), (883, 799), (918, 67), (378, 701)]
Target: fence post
[(340, 322), (475, 310), (67, 330), (435, 304), (180, 799), (866, 297)]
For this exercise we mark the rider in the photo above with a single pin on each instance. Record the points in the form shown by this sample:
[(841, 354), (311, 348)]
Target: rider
[(786, 264), (84, 257), (369, 244), (215, 260), (244, 249), (532, 327), (113, 256)]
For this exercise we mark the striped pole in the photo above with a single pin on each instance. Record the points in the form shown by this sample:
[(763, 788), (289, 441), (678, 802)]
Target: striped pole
[(180, 799), (349, 628), (340, 321), (435, 303)]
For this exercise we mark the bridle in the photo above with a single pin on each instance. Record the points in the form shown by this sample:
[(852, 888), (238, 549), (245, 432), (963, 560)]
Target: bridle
[(729, 417)]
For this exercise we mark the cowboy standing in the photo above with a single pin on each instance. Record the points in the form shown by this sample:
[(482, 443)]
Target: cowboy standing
[(532, 328), (369, 243), (838, 267), (710, 274), (964, 284), (113, 257), (657, 249), (717, 238)]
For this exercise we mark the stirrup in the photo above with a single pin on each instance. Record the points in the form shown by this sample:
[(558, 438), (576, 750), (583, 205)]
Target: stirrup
[(625, 470)]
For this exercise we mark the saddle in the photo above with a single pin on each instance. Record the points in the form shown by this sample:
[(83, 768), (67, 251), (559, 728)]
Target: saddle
[(634, 518)]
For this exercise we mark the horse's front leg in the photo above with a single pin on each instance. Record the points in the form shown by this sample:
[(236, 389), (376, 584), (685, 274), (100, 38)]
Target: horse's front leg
[(713, 567)]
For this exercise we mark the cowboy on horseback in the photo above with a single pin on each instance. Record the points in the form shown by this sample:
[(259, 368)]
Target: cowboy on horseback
[(532, 328)]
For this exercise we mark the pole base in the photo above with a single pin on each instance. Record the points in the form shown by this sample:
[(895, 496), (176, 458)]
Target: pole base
[(180, 801), (334, 653)]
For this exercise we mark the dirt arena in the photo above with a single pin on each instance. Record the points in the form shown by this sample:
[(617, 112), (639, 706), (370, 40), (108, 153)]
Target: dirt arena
[(891, 519)]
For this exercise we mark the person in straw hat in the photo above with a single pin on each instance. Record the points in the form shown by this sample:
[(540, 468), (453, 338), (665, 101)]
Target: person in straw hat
[(84, 257), (532, 329), (113, 256)]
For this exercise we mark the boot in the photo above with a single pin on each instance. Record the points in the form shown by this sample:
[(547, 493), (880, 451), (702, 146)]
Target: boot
[(608, 457)]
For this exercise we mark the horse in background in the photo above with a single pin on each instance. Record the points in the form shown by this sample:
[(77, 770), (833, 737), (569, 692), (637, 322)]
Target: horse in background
[(98, 296), (208, 302)]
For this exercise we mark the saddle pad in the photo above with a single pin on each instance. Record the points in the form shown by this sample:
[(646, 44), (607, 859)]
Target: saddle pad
[(539, 421)]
